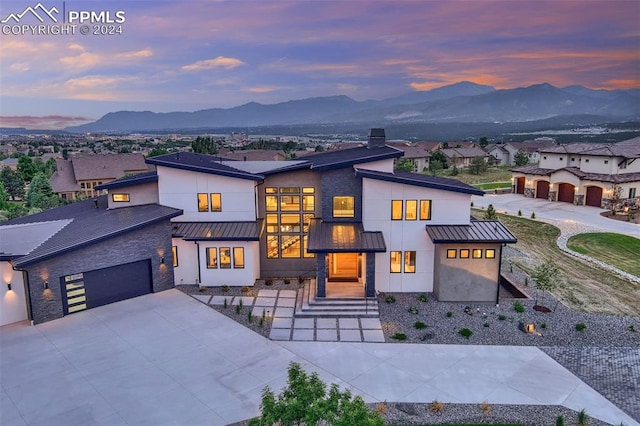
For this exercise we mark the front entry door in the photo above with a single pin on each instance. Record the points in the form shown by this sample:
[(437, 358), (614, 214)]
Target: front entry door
[(344, 267)]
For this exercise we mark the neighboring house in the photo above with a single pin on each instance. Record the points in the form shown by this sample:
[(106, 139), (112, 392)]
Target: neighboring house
[(583, 173), (417, 155), (429, 146), (462, 157), (531, 147), (343, 218), (79, 175), (11, 163), (254, 155), (499, 153)]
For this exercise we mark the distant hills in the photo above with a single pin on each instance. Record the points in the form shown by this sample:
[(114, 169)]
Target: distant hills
[(463, 102)]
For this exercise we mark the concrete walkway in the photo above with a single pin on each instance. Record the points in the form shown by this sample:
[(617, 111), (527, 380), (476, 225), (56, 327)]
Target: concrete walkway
[(166, 358)]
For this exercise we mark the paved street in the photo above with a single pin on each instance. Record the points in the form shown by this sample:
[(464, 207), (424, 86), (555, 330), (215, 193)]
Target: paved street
[(167, 358), (556, 211)]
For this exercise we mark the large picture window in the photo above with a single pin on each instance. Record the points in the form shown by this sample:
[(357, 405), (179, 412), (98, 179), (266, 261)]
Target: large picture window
[(343, 206), (238, 257), (212, 257)]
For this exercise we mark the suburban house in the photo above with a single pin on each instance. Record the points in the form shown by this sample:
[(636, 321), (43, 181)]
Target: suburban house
[(342, 218), (583, 174), (11, 163), (462, 157), (418, 156), (79, 175), (499, 152), (505, 154)]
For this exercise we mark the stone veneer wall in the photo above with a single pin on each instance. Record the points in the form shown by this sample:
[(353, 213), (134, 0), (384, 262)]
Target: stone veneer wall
[(578, 199), (341, 182), (151, 242), (529, 192), (553, 196)]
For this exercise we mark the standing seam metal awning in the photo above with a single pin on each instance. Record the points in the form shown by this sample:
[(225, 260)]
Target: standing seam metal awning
[(217, 231), (331, 237), (478, 231)]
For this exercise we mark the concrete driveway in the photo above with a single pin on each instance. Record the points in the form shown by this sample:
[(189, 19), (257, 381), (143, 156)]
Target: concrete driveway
[(166, 358), (556, 211)]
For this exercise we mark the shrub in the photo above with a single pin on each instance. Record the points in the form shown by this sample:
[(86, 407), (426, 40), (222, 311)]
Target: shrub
[(485, 407), (583, 418), (486, 324), (244, 289), (399, 336), (261, 322), (264, 314), (287, 281), (225, 304), (543, 325), (502, 317), (518, 307), (581, 326), (413, 310), (268, 282), (420, 325), (465, 332), (423, 298), (519, 212), (225, 288), (533, 215), (240, 303), (390, 298), (249, 317), (632, 328), (436, 406), (560, 421), (238, 309), (449, 314), (381, 408)]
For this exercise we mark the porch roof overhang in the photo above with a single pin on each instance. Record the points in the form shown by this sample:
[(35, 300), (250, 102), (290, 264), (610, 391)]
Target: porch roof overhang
[(217, 231), (332, 237), (478, 231)]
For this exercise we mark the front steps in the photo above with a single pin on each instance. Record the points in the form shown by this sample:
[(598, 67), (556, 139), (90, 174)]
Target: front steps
[(310, 306)]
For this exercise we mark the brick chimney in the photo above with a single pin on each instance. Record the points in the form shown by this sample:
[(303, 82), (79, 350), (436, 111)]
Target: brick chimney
[(377, 138)]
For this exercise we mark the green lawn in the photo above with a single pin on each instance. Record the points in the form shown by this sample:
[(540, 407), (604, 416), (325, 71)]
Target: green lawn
[(621, 251)]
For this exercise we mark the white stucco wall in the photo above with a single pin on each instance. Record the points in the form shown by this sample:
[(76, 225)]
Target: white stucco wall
[(138, 195), (13, 305), (179, 188), (555, 161), (380, 166), (408, 235)]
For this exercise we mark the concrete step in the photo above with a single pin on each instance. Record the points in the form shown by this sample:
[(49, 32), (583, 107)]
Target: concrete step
[(309, 306)]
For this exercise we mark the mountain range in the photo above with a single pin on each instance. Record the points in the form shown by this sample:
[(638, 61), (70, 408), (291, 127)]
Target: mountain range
[(463, 102)]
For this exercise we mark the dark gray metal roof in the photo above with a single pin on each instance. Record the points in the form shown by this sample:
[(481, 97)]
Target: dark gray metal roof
[(348, 157), (478, 231), (331, 237), (130, 181), (201, 163), (217, 231), (417, 179), (91, 223)]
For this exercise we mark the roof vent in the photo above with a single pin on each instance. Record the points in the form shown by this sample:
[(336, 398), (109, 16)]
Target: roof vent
[(377, 138)]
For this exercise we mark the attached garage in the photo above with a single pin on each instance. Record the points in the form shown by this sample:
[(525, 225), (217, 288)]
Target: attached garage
[(520, 185), (566, 192), (542, 189), (594, 196), (86, 290)]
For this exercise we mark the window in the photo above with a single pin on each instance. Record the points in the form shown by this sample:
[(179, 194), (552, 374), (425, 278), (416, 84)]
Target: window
[(120, 198), (409, 261), (632, 193), (225, 258), (411, 211), (203, 203), (489, 254), (544, 157), (396, 209), (452, 253), (290, 246), (289, 223), (272, 223), (309, 203), (573, 158), (174, 252), (216, 202), (396, 258), (238, 257), (271, 203), (561, 158), (606, 161), (286, 190), (308, 190), (477, 253), (464, 253), (271, 190), (586, 160), (272, 247), (343, 206), (82, 185), (425, 209), (289, 203), (305, 242), (212, 257)]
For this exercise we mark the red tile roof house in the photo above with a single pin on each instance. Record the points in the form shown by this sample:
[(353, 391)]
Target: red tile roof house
[(583, 174), (345, 219), (79, 175)]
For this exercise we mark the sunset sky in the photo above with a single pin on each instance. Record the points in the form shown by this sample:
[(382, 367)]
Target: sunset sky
[(190, 55)]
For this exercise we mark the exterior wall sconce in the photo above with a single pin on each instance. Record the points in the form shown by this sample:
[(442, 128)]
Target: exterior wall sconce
[(45, 284), (162, 260), (8, 286)]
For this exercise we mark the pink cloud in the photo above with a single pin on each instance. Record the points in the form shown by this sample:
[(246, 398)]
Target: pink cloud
[(42, 122)]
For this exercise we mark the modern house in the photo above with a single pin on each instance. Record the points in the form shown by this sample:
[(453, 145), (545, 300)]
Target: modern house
[(79, 175), (342, 218), (583, 174)]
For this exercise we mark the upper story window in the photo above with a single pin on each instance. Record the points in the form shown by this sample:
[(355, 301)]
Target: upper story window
[(344, 206), (411, 212), (203, 202), (561, 158), (396, 209), (412, 209), (216, 202), (120, 198), (573, 158), (586, 160), (425, 209), (606, 161)]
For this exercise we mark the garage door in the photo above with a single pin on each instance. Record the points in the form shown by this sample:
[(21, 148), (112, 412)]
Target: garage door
[(86, 290), (594, 196), (542, 189), (520, 185), (565, 192)]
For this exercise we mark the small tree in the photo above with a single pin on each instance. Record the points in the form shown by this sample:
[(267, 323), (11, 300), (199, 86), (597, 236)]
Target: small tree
[(41, 194), (404, 165), (13, 182), (521, 158), (616, 196), (305, 401), (490, 214), (546, 276), (454, 169), (478, 165), (483, 142)]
